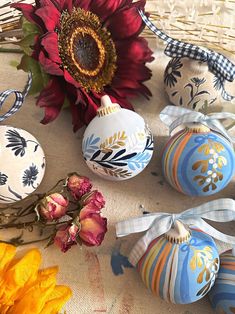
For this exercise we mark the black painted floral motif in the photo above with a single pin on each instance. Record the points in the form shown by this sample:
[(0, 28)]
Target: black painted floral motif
[(195, 92), (30, 176), (3, 178), (218, 85), (172, 72), (17, 142)]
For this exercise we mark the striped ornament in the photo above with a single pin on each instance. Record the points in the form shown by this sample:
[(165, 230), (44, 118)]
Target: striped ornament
[(222, 295), (180, 273), (198, 162)]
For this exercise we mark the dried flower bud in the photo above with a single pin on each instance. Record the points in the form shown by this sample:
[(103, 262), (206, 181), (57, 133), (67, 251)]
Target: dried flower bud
[(94, 197), (53, 206), (78, 185)]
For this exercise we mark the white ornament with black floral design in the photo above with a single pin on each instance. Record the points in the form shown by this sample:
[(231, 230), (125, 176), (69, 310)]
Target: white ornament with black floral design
[(117, 144), (22, 164)]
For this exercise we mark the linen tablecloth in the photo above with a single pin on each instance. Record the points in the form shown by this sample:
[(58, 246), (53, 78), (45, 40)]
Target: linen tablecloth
[(87, 270)]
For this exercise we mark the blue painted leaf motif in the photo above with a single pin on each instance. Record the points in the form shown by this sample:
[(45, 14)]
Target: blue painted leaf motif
[(90, 147), (3, 178), (139, 161)]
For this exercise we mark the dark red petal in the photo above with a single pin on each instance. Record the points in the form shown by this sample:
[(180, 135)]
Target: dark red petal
[(29, 12), (48, 65), (104, 8), (70, 79), (135, 50), (51, 98), (126, 22), (84, 4), (50, 44), (50, 16)]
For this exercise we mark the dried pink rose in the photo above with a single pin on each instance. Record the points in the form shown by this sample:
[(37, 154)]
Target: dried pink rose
[(63, 238), (94, 197), (53, 206), (92, 226), (78, 185)]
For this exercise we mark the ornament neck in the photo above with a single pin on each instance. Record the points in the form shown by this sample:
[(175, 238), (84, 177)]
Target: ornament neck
[(197, 128), (107, 107), (198, 67), (178, 233)]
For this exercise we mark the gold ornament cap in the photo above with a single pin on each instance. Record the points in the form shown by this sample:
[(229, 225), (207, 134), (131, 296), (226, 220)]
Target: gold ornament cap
[(107, 107), (178, 233), (197, 128)]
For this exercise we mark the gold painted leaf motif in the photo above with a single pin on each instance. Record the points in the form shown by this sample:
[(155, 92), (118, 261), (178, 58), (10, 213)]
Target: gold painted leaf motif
[(201, 163), (218, 147), (118, 173), (205, 148), (113, 142)]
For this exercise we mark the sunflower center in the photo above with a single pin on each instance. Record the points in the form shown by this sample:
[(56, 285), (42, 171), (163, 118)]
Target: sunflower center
[(87, 50)]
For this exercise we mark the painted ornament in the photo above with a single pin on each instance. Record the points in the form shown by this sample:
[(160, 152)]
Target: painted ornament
[(117, 144), (22, 164), (196, 77), (198, 161), (222, 295), (190, 84), (181, 265)]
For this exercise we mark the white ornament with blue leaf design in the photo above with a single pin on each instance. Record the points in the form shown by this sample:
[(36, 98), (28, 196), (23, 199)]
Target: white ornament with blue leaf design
[(117, 144)]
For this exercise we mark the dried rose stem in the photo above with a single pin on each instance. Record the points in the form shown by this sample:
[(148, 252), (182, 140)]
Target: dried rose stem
[(25, 243), (24, 225)]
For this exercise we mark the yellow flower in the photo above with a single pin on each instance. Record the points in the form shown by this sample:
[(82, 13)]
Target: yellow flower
[(24, 289)]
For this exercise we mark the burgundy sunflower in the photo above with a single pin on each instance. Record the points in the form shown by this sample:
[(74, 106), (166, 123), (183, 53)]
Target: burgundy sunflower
[(89, 48)]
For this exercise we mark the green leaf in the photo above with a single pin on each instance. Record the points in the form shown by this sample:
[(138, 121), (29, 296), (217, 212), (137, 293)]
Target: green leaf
[(14, 63), (26, 43), (28, 28), (40, 78)]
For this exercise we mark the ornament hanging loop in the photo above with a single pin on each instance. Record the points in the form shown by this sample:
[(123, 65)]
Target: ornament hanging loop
[(19, 98)]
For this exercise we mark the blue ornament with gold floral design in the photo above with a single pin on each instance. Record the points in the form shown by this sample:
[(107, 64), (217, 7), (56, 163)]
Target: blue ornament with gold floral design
[(117, 144), (181, 265), (198, 161), (222, 295)]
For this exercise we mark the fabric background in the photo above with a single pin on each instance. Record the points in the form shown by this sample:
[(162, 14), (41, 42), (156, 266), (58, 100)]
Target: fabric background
[(87, 270)]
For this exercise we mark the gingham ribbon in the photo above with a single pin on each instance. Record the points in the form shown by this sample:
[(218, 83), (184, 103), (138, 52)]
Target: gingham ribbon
[(174, 116), (218, 64), (157, 224), (19, 98)]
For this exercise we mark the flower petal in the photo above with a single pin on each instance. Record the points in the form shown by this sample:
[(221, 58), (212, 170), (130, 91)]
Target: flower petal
[(48, 65), (84, 4), (52, 99), (50, 16), (136, 50), (104, 8), (126, 22), (29, 13), (50, 43)]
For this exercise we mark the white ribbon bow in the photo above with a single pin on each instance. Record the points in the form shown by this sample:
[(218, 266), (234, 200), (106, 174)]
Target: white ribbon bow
[(174, 116), (157, 224)]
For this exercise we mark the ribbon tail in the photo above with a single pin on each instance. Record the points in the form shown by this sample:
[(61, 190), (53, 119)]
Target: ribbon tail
[(156, 30), (214, 233), (19, 99)]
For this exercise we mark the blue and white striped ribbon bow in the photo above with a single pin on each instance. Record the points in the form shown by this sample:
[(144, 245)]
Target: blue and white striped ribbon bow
[(218, 64), (174, 116), (20, 96), (157, 224)]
